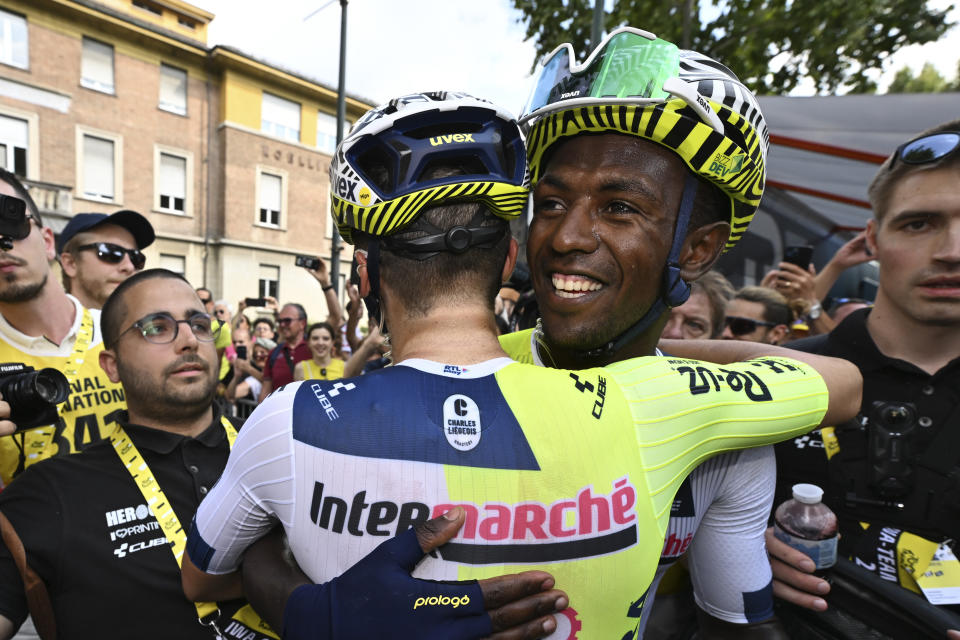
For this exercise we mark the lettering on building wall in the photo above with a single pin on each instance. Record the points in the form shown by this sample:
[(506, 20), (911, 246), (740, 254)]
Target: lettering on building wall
[(291, 158)]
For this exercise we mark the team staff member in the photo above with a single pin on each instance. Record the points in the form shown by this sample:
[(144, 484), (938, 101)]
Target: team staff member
[(97, 252), (42, 326), (908, 349), (501, 454)]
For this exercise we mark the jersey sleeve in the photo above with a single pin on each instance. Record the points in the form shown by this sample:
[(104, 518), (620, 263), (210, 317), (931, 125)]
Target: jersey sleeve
[(255, 491), (685, 411), (727, 558)]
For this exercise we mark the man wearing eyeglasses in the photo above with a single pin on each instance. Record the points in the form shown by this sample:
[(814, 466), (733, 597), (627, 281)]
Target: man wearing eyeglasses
[(895, 512), (42, 326), (97, 252)]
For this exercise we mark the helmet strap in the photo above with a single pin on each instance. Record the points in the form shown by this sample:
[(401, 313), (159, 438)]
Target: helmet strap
[(372, 300), (675, 290)]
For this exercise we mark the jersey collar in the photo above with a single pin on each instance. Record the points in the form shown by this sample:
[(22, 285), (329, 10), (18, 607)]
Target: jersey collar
[(478, 370)]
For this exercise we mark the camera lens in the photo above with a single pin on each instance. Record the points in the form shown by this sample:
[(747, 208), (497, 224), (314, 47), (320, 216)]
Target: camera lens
[(51, 386)]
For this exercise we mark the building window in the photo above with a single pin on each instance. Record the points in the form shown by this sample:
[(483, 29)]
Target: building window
[(99, 165), (14, 141), (96, 69), (172, 180), (327, 132), (147, 6), (271, 199), (172, 262), (13, 40), (269, 281), (173, 89), (189, 24), (280, 117)]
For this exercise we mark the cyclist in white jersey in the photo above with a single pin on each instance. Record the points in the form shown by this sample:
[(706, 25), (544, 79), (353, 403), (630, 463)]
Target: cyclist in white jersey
[(538, 484)]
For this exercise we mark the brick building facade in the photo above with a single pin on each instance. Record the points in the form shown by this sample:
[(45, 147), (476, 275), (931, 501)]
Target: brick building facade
[(120, 104)]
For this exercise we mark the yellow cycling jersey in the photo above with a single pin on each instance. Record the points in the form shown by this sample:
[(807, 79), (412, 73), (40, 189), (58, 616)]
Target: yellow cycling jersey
[(87, 415), (313, 371), (572, 472)]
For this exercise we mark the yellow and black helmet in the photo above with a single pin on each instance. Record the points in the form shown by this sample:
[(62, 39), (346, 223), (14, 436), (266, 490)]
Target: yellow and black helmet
[(380, 177), (638, 84)]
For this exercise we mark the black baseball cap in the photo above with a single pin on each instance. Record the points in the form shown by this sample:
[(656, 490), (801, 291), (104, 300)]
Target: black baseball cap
[(136, 224)]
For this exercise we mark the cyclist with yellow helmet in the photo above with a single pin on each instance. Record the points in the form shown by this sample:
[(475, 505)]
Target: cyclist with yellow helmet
[(647, 161), (570, 472)]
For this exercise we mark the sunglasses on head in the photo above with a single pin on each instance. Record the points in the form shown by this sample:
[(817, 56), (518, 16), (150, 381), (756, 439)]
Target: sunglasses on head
[(742, 326), (926, 149), (113, 253)]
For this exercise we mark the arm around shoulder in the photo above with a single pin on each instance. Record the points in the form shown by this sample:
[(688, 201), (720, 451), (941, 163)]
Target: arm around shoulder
[(842, 378)]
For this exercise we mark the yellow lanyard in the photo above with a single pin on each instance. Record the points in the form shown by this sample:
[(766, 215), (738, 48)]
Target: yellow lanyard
[(158, 503), (71, 369)]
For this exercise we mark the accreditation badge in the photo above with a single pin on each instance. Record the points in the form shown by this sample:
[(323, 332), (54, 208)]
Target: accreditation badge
[(940, 583)]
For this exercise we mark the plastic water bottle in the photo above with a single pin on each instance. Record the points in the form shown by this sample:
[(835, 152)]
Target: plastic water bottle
[(808, 525)]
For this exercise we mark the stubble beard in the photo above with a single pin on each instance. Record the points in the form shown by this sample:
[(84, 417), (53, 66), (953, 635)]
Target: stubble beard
[(14, 292), (164, 402)]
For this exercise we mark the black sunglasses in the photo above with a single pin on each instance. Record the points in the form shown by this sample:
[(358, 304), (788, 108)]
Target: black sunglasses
[(742, 326), (113, 253), (927, 149)]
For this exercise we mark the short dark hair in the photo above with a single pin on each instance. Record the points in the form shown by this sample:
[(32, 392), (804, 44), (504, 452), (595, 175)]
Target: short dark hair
[(114, 309), (710, 204), (199, 289), (22, 193), (776, 308), (420, 284), (321, 325), (266, 321), (892, 172)]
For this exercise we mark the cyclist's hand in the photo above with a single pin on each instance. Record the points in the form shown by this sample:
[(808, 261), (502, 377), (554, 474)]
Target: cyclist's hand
[(953, 635), (520, 604), (793, 578)]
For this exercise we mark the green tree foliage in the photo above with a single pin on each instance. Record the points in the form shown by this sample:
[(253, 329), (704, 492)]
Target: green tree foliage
[(928, 80), (771, 44)]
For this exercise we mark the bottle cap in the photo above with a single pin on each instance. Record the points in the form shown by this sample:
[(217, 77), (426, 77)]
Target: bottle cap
[(807, 493)]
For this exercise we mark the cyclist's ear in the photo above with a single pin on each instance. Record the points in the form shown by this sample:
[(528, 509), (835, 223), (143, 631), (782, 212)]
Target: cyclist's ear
[(510, 262), (702, 248)]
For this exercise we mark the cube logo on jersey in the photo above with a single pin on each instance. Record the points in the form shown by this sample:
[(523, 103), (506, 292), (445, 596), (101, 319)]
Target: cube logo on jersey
[(461, 422)]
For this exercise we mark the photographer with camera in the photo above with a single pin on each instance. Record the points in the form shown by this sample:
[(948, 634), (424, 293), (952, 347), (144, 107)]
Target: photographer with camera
[(41, 326), (892, 475)]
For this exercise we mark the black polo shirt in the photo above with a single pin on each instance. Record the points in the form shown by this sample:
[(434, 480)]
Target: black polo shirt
[(89, 535), (935, 396)]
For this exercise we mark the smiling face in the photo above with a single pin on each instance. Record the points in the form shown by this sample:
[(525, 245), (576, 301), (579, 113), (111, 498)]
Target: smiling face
[(917, 243), (604, 214), (178, 378), (320, 341)]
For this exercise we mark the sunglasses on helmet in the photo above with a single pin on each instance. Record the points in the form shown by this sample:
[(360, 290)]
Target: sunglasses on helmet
[(926, 149), (742, 326), (113, 253), (631, 66)]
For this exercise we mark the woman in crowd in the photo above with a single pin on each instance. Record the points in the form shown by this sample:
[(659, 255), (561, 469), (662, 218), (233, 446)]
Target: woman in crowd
[(323, 364)]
